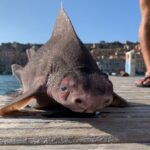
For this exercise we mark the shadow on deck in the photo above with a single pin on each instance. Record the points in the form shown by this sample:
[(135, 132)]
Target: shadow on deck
[(112, 125)]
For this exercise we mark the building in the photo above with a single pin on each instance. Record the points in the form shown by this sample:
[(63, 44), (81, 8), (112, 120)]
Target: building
[(111, 65), (140, 67), (116, 63)]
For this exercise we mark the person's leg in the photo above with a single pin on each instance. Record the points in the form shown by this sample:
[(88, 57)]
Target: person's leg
[(144, 36)]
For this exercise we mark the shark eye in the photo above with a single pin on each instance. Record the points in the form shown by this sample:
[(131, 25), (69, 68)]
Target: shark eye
[(63, 88)]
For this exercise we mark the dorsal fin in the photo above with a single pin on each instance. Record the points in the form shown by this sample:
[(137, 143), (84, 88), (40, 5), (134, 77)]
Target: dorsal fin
[(63, 25), (66, 40), (30, 52), (17, 70)]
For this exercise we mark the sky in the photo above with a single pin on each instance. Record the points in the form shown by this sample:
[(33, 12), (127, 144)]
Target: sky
[(32, 21)]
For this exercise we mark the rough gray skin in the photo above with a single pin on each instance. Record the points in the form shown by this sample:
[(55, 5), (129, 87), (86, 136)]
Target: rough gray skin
[(64, 71)]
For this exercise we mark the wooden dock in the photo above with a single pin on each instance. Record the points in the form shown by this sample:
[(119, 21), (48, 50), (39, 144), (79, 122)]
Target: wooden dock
[(112, 129)]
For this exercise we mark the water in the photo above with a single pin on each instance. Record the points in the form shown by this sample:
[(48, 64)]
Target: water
[(8, 84)]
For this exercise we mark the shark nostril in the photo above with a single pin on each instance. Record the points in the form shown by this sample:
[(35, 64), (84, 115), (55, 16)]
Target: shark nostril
[(78, 101)]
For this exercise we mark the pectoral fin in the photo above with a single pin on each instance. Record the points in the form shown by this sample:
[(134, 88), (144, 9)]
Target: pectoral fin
[(118, 101), (16, 106), (19, 103)]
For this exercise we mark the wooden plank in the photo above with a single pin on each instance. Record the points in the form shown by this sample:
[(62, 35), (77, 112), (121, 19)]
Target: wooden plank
[(75, 131), (129, 146), (113, 125)]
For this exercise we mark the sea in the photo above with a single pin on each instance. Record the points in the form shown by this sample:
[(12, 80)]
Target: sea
[(8, 84)]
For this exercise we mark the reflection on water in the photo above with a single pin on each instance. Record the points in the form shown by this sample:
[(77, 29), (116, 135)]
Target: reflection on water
[(8, 84)]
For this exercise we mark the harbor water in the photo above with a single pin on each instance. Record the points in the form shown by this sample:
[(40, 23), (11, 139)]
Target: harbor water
[(8, 84)]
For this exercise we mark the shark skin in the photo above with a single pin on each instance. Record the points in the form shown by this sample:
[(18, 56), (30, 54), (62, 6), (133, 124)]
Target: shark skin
[(63, 71)]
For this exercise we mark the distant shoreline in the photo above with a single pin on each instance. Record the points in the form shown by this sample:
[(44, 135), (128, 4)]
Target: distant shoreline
[(15, 53)]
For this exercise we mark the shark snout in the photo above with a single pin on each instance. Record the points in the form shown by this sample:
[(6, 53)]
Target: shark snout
[(90, 104)]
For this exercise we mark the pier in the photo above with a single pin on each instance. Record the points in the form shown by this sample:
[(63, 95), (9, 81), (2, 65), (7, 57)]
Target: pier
[(113, 128)]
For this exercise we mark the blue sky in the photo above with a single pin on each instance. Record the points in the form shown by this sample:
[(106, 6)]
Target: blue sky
[(32, 21)]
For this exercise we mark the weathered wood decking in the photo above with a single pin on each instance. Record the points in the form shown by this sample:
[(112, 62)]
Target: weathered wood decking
[(114, 128)]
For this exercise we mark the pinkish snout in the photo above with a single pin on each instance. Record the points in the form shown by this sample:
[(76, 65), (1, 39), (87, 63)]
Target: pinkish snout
[(84, 93), (90, 104)]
